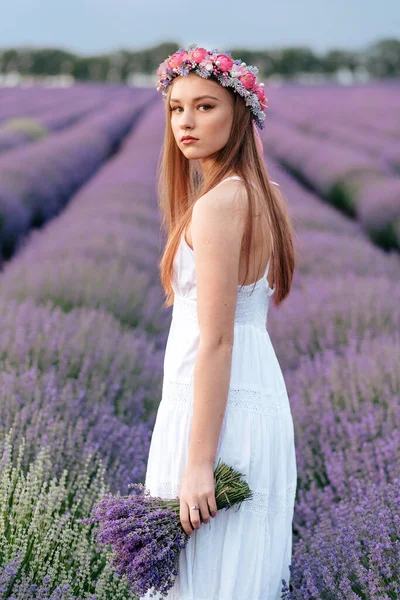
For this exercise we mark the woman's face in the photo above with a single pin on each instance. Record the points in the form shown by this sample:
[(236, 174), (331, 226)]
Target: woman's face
[(208, 119)]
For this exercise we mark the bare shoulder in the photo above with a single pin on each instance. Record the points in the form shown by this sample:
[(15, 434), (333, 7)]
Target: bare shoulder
[(226, 201)]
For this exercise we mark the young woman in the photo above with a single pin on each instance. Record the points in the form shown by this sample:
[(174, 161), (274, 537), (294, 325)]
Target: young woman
[(229, 252)]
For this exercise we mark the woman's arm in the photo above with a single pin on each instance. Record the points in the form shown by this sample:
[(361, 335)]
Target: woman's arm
[(211, 385), (217, 230)]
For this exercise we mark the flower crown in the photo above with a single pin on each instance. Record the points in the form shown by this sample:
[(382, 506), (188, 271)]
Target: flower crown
[(228, 72)]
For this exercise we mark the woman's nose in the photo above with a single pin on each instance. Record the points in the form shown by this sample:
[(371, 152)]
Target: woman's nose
[(187, 121), (186, 124)]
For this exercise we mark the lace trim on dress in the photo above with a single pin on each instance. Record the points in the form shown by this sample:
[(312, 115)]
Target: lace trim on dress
[(270, 403), (263, 503)]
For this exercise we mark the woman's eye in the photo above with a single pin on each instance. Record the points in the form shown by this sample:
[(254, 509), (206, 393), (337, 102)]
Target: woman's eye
[(208, 106)]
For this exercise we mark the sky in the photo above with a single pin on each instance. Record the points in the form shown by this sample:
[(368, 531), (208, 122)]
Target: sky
[(96, 26)]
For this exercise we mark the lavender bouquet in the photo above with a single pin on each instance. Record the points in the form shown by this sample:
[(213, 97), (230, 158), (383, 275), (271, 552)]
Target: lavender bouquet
[(146, 534)]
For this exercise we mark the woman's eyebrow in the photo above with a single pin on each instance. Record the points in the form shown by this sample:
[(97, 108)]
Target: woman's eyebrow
[(195, 99)]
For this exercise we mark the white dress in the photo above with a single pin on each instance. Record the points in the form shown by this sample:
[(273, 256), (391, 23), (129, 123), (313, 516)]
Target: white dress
[(241, 554)]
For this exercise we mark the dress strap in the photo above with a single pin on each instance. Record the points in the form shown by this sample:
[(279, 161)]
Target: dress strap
[(238, 177), (227, 178)]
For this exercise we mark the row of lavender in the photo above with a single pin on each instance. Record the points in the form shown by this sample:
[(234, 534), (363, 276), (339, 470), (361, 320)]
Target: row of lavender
[(32, 114), (337, 338), (37, 180), (22, 130), (82, 339), (345, 144), (35, 102)]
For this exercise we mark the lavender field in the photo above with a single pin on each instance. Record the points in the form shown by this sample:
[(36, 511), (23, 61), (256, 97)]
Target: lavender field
[(343, 144), (83, 330)]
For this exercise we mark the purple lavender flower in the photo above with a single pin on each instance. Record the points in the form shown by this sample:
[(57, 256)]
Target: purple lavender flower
[(146, 533)]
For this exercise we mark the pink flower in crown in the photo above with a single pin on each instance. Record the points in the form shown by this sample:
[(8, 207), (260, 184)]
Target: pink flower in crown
[(198, 54), (162, 67), (260, 93), (225, 62), (186, 56), (177, 59), (248, 80)]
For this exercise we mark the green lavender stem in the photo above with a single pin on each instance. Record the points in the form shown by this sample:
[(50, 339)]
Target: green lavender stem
[(230, 489)]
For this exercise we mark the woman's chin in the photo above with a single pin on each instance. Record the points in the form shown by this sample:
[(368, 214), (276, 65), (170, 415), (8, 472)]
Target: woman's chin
[(192, 153)]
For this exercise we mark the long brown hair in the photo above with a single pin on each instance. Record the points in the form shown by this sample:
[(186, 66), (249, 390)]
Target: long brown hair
[(180, 184)]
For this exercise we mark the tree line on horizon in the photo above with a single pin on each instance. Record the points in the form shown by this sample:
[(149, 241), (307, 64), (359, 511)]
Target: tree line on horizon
[(380, 60)]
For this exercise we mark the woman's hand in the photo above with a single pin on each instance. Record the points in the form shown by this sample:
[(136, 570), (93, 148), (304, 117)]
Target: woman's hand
[(197, 487)]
